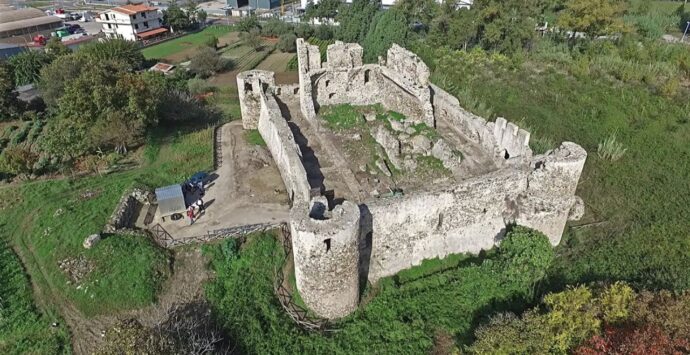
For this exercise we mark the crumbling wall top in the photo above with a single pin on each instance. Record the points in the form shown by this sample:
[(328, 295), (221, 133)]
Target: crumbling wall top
[(408, 65), (344, 55)]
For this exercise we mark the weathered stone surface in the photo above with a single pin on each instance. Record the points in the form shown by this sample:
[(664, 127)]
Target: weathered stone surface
[(91, 241), (389, 143), (326, 254), (421, 144), (396, 125), (381, 164), (444, 152), (577, 211)]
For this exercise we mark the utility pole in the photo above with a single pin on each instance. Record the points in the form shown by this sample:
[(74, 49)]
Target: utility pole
[(686, 32)]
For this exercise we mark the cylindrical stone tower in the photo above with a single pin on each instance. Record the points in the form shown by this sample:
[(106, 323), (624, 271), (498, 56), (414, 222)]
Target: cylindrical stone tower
[(325, 245)]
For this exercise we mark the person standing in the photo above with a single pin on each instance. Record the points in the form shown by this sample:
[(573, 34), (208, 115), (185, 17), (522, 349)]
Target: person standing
[(190, 214)]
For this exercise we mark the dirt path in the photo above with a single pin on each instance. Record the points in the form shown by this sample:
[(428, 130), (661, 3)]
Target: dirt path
[(247, 189)]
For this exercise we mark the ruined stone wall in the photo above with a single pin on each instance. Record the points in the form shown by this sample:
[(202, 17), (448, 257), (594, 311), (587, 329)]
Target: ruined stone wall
[(325, 246), (285, 151), (498, 137), (472, 215), (343, 78), (468, 217), (550, 199), (308, 60), (250, 86)]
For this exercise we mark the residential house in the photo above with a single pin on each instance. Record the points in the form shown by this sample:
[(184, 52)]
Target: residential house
[(132, 22)]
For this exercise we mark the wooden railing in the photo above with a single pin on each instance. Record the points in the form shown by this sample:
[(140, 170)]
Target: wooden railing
[(297, 313)]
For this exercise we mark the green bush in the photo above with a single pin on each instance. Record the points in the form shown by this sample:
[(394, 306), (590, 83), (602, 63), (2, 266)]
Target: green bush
[(287, 43)]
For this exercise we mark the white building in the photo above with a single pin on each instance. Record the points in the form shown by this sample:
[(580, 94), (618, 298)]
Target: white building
[(132, 22)]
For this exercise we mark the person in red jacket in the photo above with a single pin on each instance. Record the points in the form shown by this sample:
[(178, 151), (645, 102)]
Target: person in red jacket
[(190, 214)]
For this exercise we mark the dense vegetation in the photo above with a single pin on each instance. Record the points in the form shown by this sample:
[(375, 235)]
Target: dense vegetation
[(405, 314), (95, 105)]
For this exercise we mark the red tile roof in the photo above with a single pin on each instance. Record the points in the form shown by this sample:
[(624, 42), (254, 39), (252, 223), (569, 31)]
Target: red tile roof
[(152, 32), (133, 9)]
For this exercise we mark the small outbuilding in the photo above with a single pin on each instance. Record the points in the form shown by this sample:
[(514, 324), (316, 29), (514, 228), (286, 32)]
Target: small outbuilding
[(170, 201)]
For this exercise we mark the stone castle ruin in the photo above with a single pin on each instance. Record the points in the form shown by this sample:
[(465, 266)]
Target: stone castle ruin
[(343, 233)]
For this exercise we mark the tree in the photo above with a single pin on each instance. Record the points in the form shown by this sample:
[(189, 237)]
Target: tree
[(27, 65), (288, 43), (252, 39), (206, 62), (211, 42), (10, 106), (18, 160), (304, 31), (506, 25), (355, 19), (419, 11), (176, 18), (644, 339), (55, 76), (248, 24), (324, 9), (56, 48), (387, 28), (113, 50), (524, 256), (593, 17)]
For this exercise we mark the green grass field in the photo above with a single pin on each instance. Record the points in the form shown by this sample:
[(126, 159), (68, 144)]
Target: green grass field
[(636, 206), (24, 329), (181, 43), (126, 272)]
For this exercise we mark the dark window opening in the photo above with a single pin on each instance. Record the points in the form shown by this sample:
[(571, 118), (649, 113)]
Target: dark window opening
[(330, 96), (278, 91), (248, 87), (296, 91), (327, 82), (146, 24), (484, 210), (328, 244), (366, 76), (440, 221), (506, 155)]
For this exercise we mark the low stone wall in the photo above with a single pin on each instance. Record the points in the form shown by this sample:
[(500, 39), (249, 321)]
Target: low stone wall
[(285, 151), (326, 254), (125, 212), (497, 137)]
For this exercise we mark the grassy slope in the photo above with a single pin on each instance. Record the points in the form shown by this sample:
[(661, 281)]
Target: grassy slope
[(22, 328), (641, 199), (403, 317), (179, 44), (127, 271)]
